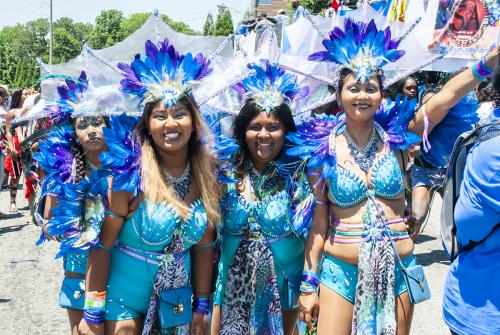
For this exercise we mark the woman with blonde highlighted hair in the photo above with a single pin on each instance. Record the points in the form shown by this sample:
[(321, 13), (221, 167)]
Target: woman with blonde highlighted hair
[(162, 208)]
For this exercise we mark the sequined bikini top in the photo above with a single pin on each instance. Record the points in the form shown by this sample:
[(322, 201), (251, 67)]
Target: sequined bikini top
[(347, 189), (151, 227), (270, 216)]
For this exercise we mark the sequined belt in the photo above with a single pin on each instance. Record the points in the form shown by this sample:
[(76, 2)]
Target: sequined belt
[(367, 232), (150, 257)]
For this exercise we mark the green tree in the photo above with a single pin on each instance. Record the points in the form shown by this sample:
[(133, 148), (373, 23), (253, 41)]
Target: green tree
[(178, 26), (66, 46), (208, 26), (224, 23), (107, 30), (315, 6), (133, 22)]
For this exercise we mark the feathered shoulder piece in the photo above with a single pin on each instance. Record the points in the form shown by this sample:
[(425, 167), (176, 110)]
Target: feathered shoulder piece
[(224, 147), (122, 160), (460, 118), (55, 156), (361, 47), (162, 73), (311, 142), (79, 214), (394, 117), (270, 86)]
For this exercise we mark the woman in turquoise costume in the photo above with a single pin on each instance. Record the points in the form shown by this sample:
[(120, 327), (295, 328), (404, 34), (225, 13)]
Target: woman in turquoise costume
[(69, 157), (266, 210), (163, 206), (357, 162)]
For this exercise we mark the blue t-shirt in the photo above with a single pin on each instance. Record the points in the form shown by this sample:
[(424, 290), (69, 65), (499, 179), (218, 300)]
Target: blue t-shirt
[(471, 299), (242, 29)]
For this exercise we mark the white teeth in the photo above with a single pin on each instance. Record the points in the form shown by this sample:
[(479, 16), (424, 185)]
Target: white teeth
[(172, 136), (362, 105), (264, 144)]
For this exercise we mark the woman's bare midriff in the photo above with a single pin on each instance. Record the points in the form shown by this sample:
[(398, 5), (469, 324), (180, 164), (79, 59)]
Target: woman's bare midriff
[(393, 208)]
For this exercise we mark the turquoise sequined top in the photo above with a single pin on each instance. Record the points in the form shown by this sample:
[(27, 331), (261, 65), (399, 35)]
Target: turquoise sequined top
[(147, 232), (347, 189), (272, 218)]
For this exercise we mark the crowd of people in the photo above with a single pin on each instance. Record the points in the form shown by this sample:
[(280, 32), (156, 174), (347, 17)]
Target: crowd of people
[(169, 225)]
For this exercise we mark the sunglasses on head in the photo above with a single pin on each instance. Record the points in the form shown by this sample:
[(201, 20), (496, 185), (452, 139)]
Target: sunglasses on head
[(93, 121)]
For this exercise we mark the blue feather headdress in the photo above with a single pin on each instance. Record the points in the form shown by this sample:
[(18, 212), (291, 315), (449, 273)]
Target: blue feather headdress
[(162, 73), (361, 47), (78, 97), (71, 93), (270, 86)]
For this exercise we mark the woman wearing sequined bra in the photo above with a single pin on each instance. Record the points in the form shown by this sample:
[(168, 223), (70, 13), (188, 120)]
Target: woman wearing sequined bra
[(139, 276), (265, 212), (69, 157), (357, 162)]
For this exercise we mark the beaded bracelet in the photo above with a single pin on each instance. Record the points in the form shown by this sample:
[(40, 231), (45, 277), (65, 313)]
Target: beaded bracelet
[(480, 70), (201, 305), (93, 316), (309, 282)]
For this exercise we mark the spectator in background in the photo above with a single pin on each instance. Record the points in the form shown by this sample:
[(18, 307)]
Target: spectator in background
[(12, 162), (281, 18), (471, 297), (488, 98), (299, 10), (243, 27), (263, 23), (4, 96)]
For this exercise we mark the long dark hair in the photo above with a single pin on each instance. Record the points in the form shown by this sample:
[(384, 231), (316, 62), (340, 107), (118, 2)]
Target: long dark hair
[(16, 99), (249, 111)]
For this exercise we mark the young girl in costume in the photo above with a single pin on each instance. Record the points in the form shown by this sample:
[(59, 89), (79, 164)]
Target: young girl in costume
[(266, 210), (357, 165), (71, 203), (162, 208)]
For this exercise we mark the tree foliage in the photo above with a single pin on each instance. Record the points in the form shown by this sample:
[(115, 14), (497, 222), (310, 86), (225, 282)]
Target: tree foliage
[(316, 6), (21, 44), (224, 23), (208, 26)]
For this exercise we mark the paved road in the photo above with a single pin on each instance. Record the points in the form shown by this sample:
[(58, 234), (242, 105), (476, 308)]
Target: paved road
[(30, 278)]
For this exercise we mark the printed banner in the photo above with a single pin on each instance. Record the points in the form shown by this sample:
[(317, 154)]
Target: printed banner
[(466, 28)]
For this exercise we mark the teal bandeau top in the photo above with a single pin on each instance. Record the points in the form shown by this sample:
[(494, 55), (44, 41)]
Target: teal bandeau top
[(271, 216), (347, 189), (151, 227)]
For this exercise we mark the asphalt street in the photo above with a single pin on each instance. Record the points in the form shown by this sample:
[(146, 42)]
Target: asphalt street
[(30, 277)]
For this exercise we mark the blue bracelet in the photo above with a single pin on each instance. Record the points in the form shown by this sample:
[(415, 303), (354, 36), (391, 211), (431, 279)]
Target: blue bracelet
[(92, 316)]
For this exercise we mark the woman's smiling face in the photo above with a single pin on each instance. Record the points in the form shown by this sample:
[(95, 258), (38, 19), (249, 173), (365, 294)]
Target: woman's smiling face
[(360, 101), (170, 128), (265, 136)]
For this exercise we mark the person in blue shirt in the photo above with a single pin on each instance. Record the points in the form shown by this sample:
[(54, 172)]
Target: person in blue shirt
[(471, 299)]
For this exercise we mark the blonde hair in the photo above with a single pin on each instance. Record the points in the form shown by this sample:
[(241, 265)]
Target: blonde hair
[(203, 165)]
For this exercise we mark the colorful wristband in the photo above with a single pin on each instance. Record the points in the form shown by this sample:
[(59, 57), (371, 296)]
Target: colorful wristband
[(95, 301), (309, 282), (480, 70)]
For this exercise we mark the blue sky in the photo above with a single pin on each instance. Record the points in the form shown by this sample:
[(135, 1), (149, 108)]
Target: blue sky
[(193, 12)]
